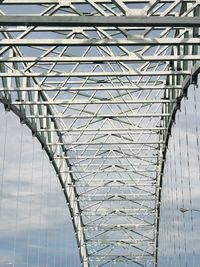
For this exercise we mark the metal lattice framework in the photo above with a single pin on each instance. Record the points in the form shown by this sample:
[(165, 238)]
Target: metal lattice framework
[(99, 82)]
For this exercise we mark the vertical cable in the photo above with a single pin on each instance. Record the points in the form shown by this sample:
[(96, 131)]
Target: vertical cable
[(40, 209), (49, 197), (30, 201), (182, 191), (46, 200), (56, 208), (17, 197), (165, 209), (163, 236), (176, 194), (3, 162), (172, 222), (197, 131), (189, 178), (61, 229), (169, 241)]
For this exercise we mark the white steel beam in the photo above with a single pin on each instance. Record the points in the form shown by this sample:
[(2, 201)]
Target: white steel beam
[(132, 41), (101, 60), (93, 74)]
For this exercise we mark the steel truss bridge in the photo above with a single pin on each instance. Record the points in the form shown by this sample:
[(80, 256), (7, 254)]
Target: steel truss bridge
[(99, 82)]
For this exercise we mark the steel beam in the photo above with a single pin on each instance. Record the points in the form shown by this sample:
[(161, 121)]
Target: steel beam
[(131, 41), (94, 87), (93, 102), (93, 74), (100, 60), (28, 2), (99, 21)]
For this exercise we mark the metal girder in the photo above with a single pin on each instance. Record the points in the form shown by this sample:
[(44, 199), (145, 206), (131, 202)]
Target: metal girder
[(102, 116), (100, 21), (64, 102), (28, 2), (100, 90), (101, 59), (94, 87), (94, 74), (132, 41)]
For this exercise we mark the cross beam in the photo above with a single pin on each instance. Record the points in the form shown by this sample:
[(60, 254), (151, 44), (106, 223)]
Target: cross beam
[(100, 21)]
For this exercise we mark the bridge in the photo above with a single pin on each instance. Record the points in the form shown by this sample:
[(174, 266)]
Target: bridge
[(100, 84)]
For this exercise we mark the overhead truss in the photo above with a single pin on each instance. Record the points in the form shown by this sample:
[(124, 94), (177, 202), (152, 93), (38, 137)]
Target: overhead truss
[(98, 82)]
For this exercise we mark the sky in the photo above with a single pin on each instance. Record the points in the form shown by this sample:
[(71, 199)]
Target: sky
[(35, 226), (179, 232)]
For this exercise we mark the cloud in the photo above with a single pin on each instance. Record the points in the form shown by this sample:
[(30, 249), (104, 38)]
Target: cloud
[(34, 214), (178, 231)]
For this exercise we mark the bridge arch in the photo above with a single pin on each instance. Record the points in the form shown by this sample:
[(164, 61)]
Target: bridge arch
[(103, 118)]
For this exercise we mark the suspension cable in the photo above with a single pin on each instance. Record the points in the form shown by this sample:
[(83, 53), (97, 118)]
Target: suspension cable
[(18, 196), (3, 161), (189, 178), (174, 141), (197, 131), (182, 190), (30, 201)]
